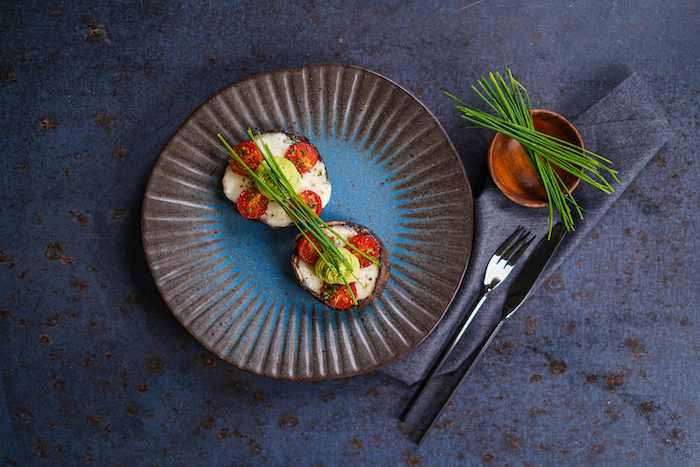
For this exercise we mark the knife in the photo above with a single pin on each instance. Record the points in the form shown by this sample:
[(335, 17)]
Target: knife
[(519, 291)]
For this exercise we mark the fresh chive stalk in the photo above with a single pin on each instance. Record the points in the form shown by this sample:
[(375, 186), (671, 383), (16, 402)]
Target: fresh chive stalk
[(511, 102), (305, 219)]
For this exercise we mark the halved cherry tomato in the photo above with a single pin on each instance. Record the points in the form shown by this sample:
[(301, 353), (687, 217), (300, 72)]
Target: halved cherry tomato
[(338, 295), (366, 245), (312, 200), (252, 204), (307, 253), (303, 155), (249, 153)]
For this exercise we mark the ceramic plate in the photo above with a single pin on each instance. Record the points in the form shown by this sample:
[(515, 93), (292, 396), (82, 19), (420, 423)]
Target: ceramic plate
[(229, 280)]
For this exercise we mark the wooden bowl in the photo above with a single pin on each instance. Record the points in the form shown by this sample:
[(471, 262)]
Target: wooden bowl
[(511, 169)]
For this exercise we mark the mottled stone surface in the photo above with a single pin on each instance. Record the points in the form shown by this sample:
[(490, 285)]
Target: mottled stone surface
[(599, 368)]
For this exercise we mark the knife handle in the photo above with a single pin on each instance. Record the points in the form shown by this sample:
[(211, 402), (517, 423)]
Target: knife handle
[(446, 351), (462, 378)]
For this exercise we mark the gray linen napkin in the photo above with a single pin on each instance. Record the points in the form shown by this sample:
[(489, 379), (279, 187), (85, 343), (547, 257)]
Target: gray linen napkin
[(628, 127)]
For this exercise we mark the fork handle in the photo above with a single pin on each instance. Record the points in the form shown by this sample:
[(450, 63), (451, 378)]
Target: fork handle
[(462, 378), (446, 351)]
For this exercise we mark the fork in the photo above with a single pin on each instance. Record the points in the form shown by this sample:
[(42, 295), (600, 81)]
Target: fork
[(500, 265)]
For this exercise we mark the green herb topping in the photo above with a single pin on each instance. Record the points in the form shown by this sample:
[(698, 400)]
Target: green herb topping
[(276, 183), (515, 120)]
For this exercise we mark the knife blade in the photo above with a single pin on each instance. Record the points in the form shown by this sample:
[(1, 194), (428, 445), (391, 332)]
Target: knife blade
[(518, 292), (532, 269)]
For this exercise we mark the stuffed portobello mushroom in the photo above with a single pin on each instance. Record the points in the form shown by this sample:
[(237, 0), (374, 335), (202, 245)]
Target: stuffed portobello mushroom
[(301, 164), (343, 289)]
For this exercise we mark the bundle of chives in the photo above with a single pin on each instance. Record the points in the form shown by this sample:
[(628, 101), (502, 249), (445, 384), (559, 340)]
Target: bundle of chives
[(304, 218), (543, 151)]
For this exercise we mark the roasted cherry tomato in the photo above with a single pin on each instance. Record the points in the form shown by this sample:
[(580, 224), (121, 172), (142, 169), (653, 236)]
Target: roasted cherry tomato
[(252, 204), (249, 153), (306, 251), (366, 245), (303, 155), (338, 295), (312, 200)]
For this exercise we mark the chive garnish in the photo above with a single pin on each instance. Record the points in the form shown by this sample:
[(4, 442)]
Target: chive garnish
[(511, 103), (304, 217)]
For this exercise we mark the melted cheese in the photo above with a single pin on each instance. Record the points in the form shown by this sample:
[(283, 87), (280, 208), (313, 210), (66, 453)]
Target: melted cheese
[(366, 279), (315, 180)]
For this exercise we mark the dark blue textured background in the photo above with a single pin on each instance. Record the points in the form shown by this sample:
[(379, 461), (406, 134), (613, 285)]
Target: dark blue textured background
[(601, 367)]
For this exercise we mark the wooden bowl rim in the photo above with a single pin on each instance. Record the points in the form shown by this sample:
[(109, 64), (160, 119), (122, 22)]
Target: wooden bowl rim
[(525, 200)]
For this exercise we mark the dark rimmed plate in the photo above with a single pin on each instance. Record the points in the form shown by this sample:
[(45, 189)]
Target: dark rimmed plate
[(229, 281)]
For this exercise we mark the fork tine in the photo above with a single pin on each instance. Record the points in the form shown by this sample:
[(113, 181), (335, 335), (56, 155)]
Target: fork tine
[(508, 241), (495, 273), (516, 256), (512, 248)]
